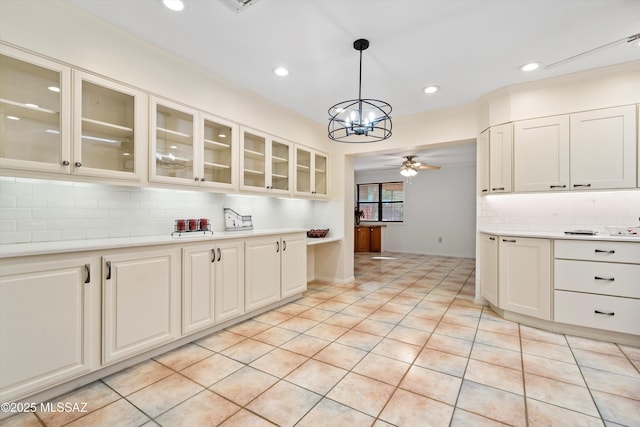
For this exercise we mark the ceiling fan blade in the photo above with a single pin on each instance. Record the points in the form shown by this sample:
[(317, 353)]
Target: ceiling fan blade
[(628, 39), (429, 167)]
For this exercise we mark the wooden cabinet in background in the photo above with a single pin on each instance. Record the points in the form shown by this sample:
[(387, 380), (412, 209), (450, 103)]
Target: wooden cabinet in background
[(368, 238)]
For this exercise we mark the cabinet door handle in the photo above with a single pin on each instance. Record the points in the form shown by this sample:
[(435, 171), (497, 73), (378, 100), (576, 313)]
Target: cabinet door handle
[(610, 313), (485, 190), (87, 268), (498, 189), (219, 255), (108, 266), (558, 186), (202, 179), (608, 279), (65, 163), (284, 245), (603, 251), (213, 255), (77, 164), (492, 238), (508, 240), (581, 185), (277, 246)]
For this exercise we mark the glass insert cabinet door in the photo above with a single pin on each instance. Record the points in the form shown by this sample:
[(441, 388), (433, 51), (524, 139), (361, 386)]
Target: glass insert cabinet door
[(303, 171), (219, 152), (254, 165), (280, 161), (106, 129), (34, 112), (173, 130), (320, 175)]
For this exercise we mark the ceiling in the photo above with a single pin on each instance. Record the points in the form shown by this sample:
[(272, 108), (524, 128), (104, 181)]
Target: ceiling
[(467, 47)]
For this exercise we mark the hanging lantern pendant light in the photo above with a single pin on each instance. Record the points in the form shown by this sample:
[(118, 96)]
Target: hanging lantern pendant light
[(360, 120)]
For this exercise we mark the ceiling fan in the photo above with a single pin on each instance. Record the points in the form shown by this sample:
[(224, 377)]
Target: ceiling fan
[(409, 167)]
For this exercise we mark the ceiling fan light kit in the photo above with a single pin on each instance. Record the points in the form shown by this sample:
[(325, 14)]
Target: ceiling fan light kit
[(360, 120)]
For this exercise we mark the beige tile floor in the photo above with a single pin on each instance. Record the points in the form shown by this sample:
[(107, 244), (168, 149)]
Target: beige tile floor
[(403, 345)]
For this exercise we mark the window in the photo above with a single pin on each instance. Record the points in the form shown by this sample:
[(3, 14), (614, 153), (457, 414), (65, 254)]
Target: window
[(382, 201)]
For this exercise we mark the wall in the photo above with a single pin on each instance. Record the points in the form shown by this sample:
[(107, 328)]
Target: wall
[(438, 203)]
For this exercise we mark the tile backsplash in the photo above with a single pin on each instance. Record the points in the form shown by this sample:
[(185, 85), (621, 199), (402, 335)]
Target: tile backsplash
[(34, 210), (559, 211)]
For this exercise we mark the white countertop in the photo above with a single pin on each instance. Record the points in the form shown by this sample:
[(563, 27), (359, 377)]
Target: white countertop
[(45, 248), (312, 241), (558, 235)]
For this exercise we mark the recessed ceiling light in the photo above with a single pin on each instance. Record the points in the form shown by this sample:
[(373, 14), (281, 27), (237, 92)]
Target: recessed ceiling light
[(281, 71), (54, 88), (175, 5), (531, 66), (431, 89)]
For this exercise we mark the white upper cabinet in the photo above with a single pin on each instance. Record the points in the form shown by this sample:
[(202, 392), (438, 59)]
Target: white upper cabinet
[(218, 153), (173, 143), (108, 128), (603, 148), (541, 154), (35, 106), (311, 173), (37, 110), (265, 163), (482, 161), (500, 158)]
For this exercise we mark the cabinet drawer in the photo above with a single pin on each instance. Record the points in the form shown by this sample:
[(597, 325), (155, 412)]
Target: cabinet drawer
[(605, 278), (620, 314), (628, 252)]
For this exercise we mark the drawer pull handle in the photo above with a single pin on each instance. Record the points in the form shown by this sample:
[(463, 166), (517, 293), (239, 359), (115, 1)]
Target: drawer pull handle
[(484, 190), (608, 279), (492, 238), (611, 313), (602, 251), (508, 241), (558, 186), (581, 185), (498, 189)]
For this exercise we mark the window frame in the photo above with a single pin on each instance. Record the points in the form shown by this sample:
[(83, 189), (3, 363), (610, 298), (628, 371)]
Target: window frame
[(379, 202)]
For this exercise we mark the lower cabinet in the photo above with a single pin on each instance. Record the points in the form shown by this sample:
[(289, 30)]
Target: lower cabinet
[(276, 268), (140, 301), (368, 239), (489, 268), (212, 284), (524, 276), (47, 316)]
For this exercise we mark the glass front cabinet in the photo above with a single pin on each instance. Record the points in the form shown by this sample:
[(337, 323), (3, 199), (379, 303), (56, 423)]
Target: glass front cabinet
[(191, 148), (265, 163), (37, 111), (310, 173)]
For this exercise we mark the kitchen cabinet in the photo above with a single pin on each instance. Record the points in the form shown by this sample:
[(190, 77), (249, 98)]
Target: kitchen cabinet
[(368, 238), (524, 276), (596, 285), (48, 314), (265, 163), (541, 154), (482, 156), (311, 173), (107, 128), (36, 102), (141, 301), (603, 148), (276, 268), (500, 158), (35, 97), (293, 266), (192, 148), (488, 263), (212, 284)]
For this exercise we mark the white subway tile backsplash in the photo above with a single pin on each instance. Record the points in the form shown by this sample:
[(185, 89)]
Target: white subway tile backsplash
[(559, 211), (65, 210)]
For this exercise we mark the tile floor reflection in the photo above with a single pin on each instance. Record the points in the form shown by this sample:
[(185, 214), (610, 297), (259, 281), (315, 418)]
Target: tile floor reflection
[(403, 345)]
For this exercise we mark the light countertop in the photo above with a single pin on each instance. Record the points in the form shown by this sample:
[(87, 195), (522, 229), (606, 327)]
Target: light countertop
[(63, 246), (559, 235)]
